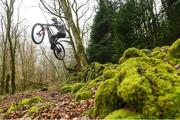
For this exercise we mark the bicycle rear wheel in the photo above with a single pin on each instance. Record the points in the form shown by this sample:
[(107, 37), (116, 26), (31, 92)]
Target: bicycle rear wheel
[(59, 51), (37, 34)]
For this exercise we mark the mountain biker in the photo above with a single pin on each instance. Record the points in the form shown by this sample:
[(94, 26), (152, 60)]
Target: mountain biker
[(61, 30)]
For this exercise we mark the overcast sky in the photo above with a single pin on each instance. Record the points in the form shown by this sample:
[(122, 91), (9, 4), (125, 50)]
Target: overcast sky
[(30, 11)]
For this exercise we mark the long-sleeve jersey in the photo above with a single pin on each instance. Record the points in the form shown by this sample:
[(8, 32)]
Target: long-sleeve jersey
[(59, 26)]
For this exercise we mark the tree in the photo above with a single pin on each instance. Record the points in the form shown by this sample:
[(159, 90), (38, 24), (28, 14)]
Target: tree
[(119, 25), (101, 42), (4, 56), (11, 36), (171, 9), (12, 44)]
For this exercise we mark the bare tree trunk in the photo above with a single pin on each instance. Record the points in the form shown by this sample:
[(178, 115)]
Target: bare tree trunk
[(4, 49), (9, 15), (7, 83), (76, 32), (21, 47), (13, 66)]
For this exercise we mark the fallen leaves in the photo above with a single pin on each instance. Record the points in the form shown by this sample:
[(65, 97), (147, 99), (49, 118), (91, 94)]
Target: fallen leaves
[(62, 106)]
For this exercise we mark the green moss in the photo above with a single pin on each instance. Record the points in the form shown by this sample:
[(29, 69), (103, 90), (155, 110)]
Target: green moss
[(131, 53), (166, 106), (33, 109), (133, 92), (90, 72), (106, 99), (109, 74), (25, 101), (123, 114), (37, 108), (175, 49), (145, 81), (76, 87), (146, 51), (30, 101), (89, 113), (1, 110), (22, 103), (37, 99), (11, 109), (91, 85), (83, 95), (66, 88), (147, 85), (88, 89), (177, 116), (160, 53)]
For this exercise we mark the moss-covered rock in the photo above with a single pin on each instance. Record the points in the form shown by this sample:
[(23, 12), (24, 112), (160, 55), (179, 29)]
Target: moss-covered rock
[(26, 102), (144, 84), (91, 86), (76, 87), (162, 106), (123, 114), (89, 72), (83, 95), (109, 74), (133, 92), (89, 113), (106, 99), (36, 108), (11, 108), (175, 49), (131, 53), (145, 81), (30, 101), (88, 90), (160, 53), (146, 51), (65, 88), (1, 110), (33, 109), (36, 99)]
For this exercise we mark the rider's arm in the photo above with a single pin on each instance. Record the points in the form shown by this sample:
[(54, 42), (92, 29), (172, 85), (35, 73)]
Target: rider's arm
[(55, 25), (51, 24)]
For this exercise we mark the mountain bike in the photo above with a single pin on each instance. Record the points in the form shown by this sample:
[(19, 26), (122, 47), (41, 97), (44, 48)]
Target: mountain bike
[(38, 33)]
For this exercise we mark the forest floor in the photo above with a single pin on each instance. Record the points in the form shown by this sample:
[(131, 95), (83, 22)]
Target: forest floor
[(62, 106)]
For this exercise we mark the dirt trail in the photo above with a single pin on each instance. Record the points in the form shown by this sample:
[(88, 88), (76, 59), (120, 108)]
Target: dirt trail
[(62, 106)]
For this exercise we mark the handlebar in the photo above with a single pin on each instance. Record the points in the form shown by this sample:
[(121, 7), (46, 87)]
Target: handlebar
[(48, 25), (44, 24)]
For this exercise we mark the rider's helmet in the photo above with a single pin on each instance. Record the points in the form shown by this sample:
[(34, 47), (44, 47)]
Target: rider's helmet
[(54, 19)]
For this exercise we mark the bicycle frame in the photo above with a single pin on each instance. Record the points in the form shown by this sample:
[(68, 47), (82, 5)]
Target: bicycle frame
[(56, 46), (50, 32)]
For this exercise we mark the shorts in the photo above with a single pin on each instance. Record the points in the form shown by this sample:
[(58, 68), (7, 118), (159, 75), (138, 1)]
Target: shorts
[(60, 35)]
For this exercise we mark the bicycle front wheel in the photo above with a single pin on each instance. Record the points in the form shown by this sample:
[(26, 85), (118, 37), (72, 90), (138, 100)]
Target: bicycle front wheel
[(37, 34), (59, 51)]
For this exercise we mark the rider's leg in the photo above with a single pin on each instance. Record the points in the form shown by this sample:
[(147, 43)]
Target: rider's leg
[(52, 41), (61, 35), (56, 36)]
